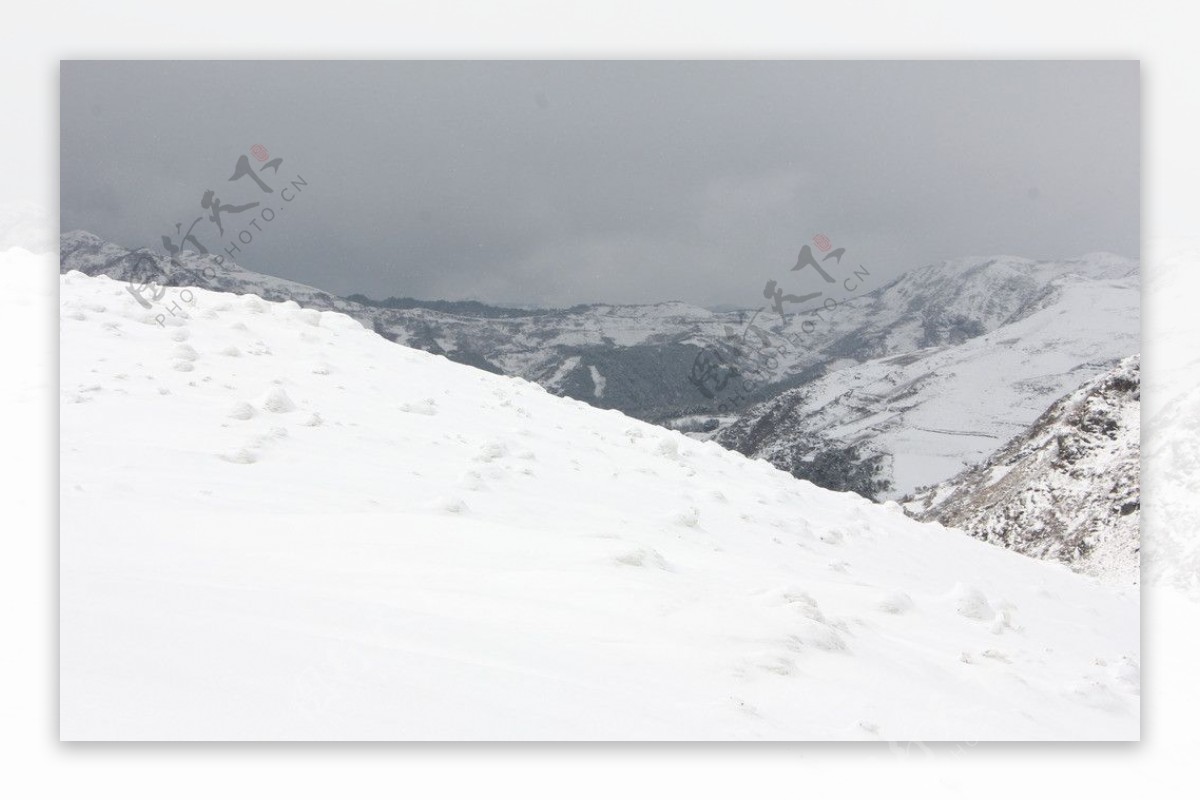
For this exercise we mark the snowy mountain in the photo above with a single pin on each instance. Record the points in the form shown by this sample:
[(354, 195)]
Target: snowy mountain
[(941, 396), (277, 524), (633, 358), (643, 359), (1067, 489)]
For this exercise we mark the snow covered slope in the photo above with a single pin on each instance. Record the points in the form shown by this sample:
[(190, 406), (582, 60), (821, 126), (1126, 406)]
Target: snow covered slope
[(276, 524), (894, 424), (1067, 489)]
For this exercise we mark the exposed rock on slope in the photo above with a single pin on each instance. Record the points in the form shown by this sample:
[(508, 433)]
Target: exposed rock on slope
[(1068, 489)]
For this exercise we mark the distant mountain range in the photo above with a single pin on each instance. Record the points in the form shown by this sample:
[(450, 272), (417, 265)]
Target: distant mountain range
[(633, 358), (900, 387)]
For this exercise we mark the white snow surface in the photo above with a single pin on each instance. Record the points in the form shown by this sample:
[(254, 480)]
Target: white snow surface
[(278, 525)]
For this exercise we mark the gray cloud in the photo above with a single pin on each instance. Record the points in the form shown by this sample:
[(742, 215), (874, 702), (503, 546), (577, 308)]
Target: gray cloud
[(566, 182)]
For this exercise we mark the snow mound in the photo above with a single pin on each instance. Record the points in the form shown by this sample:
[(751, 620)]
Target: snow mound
[(970, 602), (242, 411), (276, 400)]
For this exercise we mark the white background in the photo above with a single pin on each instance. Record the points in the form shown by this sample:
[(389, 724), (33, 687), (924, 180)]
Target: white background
[(34, 37)]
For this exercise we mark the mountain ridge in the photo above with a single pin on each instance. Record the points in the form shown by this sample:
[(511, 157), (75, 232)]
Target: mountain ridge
[(646, 360), (912, 414)]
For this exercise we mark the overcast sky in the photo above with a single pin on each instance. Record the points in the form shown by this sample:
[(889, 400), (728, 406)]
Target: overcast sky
[(569, 182)]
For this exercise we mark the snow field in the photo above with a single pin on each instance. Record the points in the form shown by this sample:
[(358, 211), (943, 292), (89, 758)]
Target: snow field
[(276, 524)]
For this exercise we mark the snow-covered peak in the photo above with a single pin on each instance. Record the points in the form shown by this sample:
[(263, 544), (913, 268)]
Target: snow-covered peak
[(982, 293), (968, 356)]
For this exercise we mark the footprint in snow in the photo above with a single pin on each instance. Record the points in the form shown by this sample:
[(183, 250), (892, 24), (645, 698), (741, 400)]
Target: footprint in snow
[(426, 407), (1097, 693), (896, 603), (184, 352), (815, 634), (491, 451), (770, 663), (971, 603), (643, 557), (744, 707), (472, 481), (688, 517), (240, 456), (452, 505), (832, 537), (1127, 673)]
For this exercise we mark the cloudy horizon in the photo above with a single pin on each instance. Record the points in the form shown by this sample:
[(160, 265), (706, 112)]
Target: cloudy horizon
[(555, 183)]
